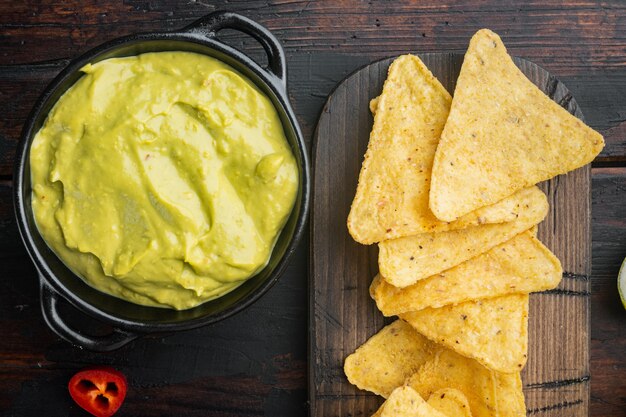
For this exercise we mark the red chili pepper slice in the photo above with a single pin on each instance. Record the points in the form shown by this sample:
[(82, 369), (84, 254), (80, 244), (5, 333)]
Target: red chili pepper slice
[(99, 390)]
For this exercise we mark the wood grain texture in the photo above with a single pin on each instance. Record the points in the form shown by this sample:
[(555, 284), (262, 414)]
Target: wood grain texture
[(249, 365), (583, 41), (258, 359), (608, 317), (556, 378)]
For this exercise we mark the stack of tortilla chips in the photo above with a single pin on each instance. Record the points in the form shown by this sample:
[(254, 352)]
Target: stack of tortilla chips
[(448, 191)]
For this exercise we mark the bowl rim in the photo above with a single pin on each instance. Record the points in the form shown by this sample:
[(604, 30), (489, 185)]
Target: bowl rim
[(270, 80)]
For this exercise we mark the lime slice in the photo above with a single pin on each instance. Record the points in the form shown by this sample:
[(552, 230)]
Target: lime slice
[(621, 283)]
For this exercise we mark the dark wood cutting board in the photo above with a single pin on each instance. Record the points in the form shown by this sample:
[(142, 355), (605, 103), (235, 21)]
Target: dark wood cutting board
[(342, 314)]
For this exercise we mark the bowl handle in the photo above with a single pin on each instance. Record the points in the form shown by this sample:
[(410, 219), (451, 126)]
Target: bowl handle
[(49, 307), (212, 23)]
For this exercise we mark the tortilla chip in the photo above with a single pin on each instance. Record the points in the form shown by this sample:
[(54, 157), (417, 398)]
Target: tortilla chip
[(503, 134), (374, 105), (392, 194), (489, 393), (406, 260), (450, 402), (519, 266), (398, 353), (493, 331), (406, 402), (388, 358)]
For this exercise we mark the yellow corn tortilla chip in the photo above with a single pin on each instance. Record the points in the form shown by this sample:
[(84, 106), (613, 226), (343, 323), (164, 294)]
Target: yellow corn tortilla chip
[(406, 402), (398, 353), (503, 134), (493, 331), (388, 358), (374, 105), (392, 194), (519, 266), (406, 260), (450, 402), (489, 393)]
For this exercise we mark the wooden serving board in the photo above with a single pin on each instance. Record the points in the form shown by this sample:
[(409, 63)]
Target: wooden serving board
[(556, 378)]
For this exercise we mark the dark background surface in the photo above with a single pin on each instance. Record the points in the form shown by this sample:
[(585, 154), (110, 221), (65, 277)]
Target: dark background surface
[(255, 363)]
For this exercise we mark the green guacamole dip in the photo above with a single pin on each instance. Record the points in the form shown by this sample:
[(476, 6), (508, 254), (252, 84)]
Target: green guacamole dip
[(163, 179)]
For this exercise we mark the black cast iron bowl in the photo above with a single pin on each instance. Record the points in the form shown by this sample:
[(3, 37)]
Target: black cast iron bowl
[(129, 320)]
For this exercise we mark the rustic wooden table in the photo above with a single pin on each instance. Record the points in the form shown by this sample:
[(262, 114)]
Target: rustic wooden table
[(255, 363)]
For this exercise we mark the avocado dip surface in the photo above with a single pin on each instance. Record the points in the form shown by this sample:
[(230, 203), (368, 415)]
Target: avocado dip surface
[(163, 179)]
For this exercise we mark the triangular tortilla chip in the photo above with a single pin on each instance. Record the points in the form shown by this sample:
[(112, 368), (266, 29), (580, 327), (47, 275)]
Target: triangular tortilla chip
[(519, 266), (388, 358), (406, 402), (392, 194), (493, 331), (398, 353), (489, 393), (406, 260), (450, 402), (503, 134)]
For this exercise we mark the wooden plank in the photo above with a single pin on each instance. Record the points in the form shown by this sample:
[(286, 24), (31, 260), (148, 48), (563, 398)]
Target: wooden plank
[(583, 41), (251, 364), (608, 318), (542, 29), (556, 378)]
